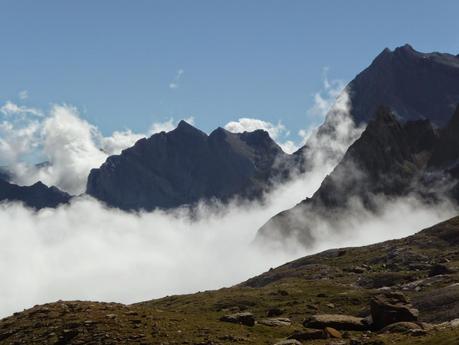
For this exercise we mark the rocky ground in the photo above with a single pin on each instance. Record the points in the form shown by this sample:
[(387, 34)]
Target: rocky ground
[(397, 292)]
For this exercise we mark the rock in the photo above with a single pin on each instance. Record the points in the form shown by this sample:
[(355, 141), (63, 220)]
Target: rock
[(333, 333), (391, 307), (337, 321), (358, 270), (288, 342), (439, 269), (274, 312), (402, 327), (274, 322), (246, 319), (331, 305), (308, 334)]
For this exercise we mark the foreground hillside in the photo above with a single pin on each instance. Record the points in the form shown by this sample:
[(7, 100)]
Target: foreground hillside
[(272, 307)]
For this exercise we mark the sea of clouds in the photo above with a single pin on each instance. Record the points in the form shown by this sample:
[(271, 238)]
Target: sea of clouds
[(87, 251)]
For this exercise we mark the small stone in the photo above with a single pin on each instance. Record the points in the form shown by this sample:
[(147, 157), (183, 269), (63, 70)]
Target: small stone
[(308, 334), (333, 333), (288, 342)]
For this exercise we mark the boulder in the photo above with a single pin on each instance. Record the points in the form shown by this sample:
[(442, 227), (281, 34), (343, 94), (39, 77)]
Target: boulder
[(402, 327), (337, 321), (391, 307), (308, 334), (288, 342), (439, 269), (274, 312), (246, 319), (274, 322)]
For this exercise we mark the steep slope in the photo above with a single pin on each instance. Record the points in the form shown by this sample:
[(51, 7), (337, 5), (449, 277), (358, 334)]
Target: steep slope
[(36, 196), (186, 165), (414, 85), (338, 282), (390, 159)]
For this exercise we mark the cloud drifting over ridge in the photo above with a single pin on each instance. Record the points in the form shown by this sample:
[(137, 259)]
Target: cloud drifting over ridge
[(70, 144), (84, 250)]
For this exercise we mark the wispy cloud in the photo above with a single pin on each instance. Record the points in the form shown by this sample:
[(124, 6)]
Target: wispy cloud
[(327, 97), (24, 94), (11, 109), (175, 83)]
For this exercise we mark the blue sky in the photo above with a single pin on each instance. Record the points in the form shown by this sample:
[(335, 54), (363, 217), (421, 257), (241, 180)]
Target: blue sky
[(116, 60)]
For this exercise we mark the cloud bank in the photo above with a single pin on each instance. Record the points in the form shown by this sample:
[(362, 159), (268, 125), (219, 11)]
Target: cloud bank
[(86, 251)]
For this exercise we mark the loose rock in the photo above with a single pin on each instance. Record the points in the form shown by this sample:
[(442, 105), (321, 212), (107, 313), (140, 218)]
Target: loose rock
[(337, 321)]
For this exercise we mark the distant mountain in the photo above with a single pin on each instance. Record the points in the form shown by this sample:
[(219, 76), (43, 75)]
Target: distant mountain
[(186, 165), (390, 159), (36, 196), (414, 85)]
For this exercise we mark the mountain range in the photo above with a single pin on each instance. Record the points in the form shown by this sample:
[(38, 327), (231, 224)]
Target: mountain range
[(185, 166)]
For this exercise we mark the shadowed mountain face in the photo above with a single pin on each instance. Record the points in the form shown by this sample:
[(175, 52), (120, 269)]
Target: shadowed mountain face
[(36, 196), (186, 165), (390, 159), (414, 85)]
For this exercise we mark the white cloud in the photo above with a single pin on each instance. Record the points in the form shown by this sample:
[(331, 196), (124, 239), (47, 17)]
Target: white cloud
[(278, 132), (249, 125), (325, 99), (118, 141), (175, 83), (24, 94), (10, 109)]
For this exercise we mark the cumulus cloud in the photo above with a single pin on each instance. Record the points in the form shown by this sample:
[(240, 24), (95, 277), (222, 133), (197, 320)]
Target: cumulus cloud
[(175, 83)]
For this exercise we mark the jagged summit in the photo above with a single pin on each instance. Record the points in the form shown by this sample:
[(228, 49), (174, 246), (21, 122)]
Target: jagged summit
[(186, 165), (185, 127)]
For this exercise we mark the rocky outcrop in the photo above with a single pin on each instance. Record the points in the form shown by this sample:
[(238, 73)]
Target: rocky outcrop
[(37, 196), (185, 166), (391, 307)]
